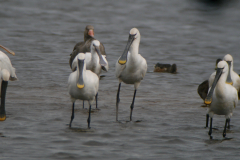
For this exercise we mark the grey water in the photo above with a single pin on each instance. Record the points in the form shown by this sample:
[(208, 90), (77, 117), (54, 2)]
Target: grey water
[(168, 120)]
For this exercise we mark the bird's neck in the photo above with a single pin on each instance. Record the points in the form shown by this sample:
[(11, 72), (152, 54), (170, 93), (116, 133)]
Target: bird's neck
[(221, 86), (134, 48), (95, 58), (87, 37)]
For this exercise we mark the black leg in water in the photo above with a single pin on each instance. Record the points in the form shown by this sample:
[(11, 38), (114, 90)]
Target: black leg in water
[(132, 105), (89, 117), (207, 118), (3, 97), (72, 117), (229, 123), (96, 99), (225, 127), (83, 104), (117, 101), (210, 129)]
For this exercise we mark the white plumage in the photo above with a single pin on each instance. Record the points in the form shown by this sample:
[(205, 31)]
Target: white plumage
[(222, 98), (7, 72), (94, 60), (234, 76), (131, 67), (82, 84)]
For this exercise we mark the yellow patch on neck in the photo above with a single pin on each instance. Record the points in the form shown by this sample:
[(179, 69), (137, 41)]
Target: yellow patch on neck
[(231, 83), (122, 61), (80, 86), (3, 118)]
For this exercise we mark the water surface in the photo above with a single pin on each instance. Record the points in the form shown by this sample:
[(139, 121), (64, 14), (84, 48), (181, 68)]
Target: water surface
[(168, 122)]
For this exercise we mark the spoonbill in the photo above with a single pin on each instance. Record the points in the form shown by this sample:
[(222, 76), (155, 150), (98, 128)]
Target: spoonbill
[(222, 97), (86, 46), (7, 72), (82, 84), (94, 61), (233, 78), (131, 67)]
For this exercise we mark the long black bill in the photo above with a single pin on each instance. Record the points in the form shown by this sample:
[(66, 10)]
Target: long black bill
[(208, 99), (123, 59), (3, 97), (229, 79), (101, 60), (80, 83)]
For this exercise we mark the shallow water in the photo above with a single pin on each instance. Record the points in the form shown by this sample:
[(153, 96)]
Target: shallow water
[(168, 122)]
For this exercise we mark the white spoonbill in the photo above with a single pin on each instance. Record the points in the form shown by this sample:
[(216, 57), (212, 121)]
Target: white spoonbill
[(82, 84), (7, 72), (131, 67), (232, 78), (222, 97), (94, 61)]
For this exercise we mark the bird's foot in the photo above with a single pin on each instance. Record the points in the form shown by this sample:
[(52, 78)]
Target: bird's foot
[(224, 134)]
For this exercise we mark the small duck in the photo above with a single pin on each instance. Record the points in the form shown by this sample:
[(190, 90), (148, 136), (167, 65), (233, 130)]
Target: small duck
[(165, 68)]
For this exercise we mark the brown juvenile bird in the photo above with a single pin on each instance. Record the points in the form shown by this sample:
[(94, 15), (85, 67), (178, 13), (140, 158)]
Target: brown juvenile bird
[(83, 47)]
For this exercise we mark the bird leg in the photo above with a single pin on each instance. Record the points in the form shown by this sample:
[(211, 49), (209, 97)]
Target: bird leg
[(96, 99), (210, 129), (83, 104), (207, 118), (225, 127), (117, 101), (3, 97), (132, 105), (89, 117), (72, 117), (229, 123)]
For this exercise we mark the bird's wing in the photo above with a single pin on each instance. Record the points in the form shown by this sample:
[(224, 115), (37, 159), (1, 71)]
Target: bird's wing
[(102, 49), (88, 58), (106, 67)]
